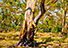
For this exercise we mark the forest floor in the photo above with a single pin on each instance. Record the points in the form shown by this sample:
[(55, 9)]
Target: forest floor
[(49, 40)]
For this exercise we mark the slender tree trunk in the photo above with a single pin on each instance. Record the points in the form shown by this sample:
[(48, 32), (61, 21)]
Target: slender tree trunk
[(56, 22), (30, 23), (63, 18)]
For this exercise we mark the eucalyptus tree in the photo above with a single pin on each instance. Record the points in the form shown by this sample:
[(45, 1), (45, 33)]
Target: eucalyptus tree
[(31, 21)]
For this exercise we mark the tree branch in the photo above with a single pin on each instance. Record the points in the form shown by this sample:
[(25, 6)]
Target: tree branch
[(52, 2), (23, 2), (41, 12)]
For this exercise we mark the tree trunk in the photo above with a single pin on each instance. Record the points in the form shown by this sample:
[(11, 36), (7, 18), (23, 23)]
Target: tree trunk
[(64, 18), (30, 23)]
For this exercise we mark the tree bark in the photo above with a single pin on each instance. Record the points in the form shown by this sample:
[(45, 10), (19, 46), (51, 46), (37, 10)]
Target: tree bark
[(30, 23), (64, 18)]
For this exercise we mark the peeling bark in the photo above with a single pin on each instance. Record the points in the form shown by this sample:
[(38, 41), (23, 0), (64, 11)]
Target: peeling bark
[(30, 23)]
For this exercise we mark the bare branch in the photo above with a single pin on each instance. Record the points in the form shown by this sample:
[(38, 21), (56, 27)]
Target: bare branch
[(40, 13), (52, 2), (23, 2)]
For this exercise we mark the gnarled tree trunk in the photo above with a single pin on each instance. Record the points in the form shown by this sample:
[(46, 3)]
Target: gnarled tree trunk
[(30, 23)]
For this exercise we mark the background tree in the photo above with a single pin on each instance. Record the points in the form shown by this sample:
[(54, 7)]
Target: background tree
[(11, 15), (64, 15)]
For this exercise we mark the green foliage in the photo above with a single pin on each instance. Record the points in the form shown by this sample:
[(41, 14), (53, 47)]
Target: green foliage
[(12, 15)]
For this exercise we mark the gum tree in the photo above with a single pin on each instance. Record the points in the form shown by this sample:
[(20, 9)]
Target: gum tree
[(30, 23)]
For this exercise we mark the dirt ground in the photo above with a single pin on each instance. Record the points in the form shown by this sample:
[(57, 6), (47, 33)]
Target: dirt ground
[(49, 40)]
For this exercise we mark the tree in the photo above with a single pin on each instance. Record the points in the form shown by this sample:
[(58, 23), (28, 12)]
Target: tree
[(30, 23), (64, 15)]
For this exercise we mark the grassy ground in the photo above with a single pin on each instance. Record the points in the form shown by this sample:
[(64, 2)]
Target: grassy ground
[(50, 40)]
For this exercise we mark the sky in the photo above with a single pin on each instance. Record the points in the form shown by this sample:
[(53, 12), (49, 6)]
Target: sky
[(1, 1), (0, 7)]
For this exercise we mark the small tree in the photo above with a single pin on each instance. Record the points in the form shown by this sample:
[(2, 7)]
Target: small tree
[(64, 16)]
